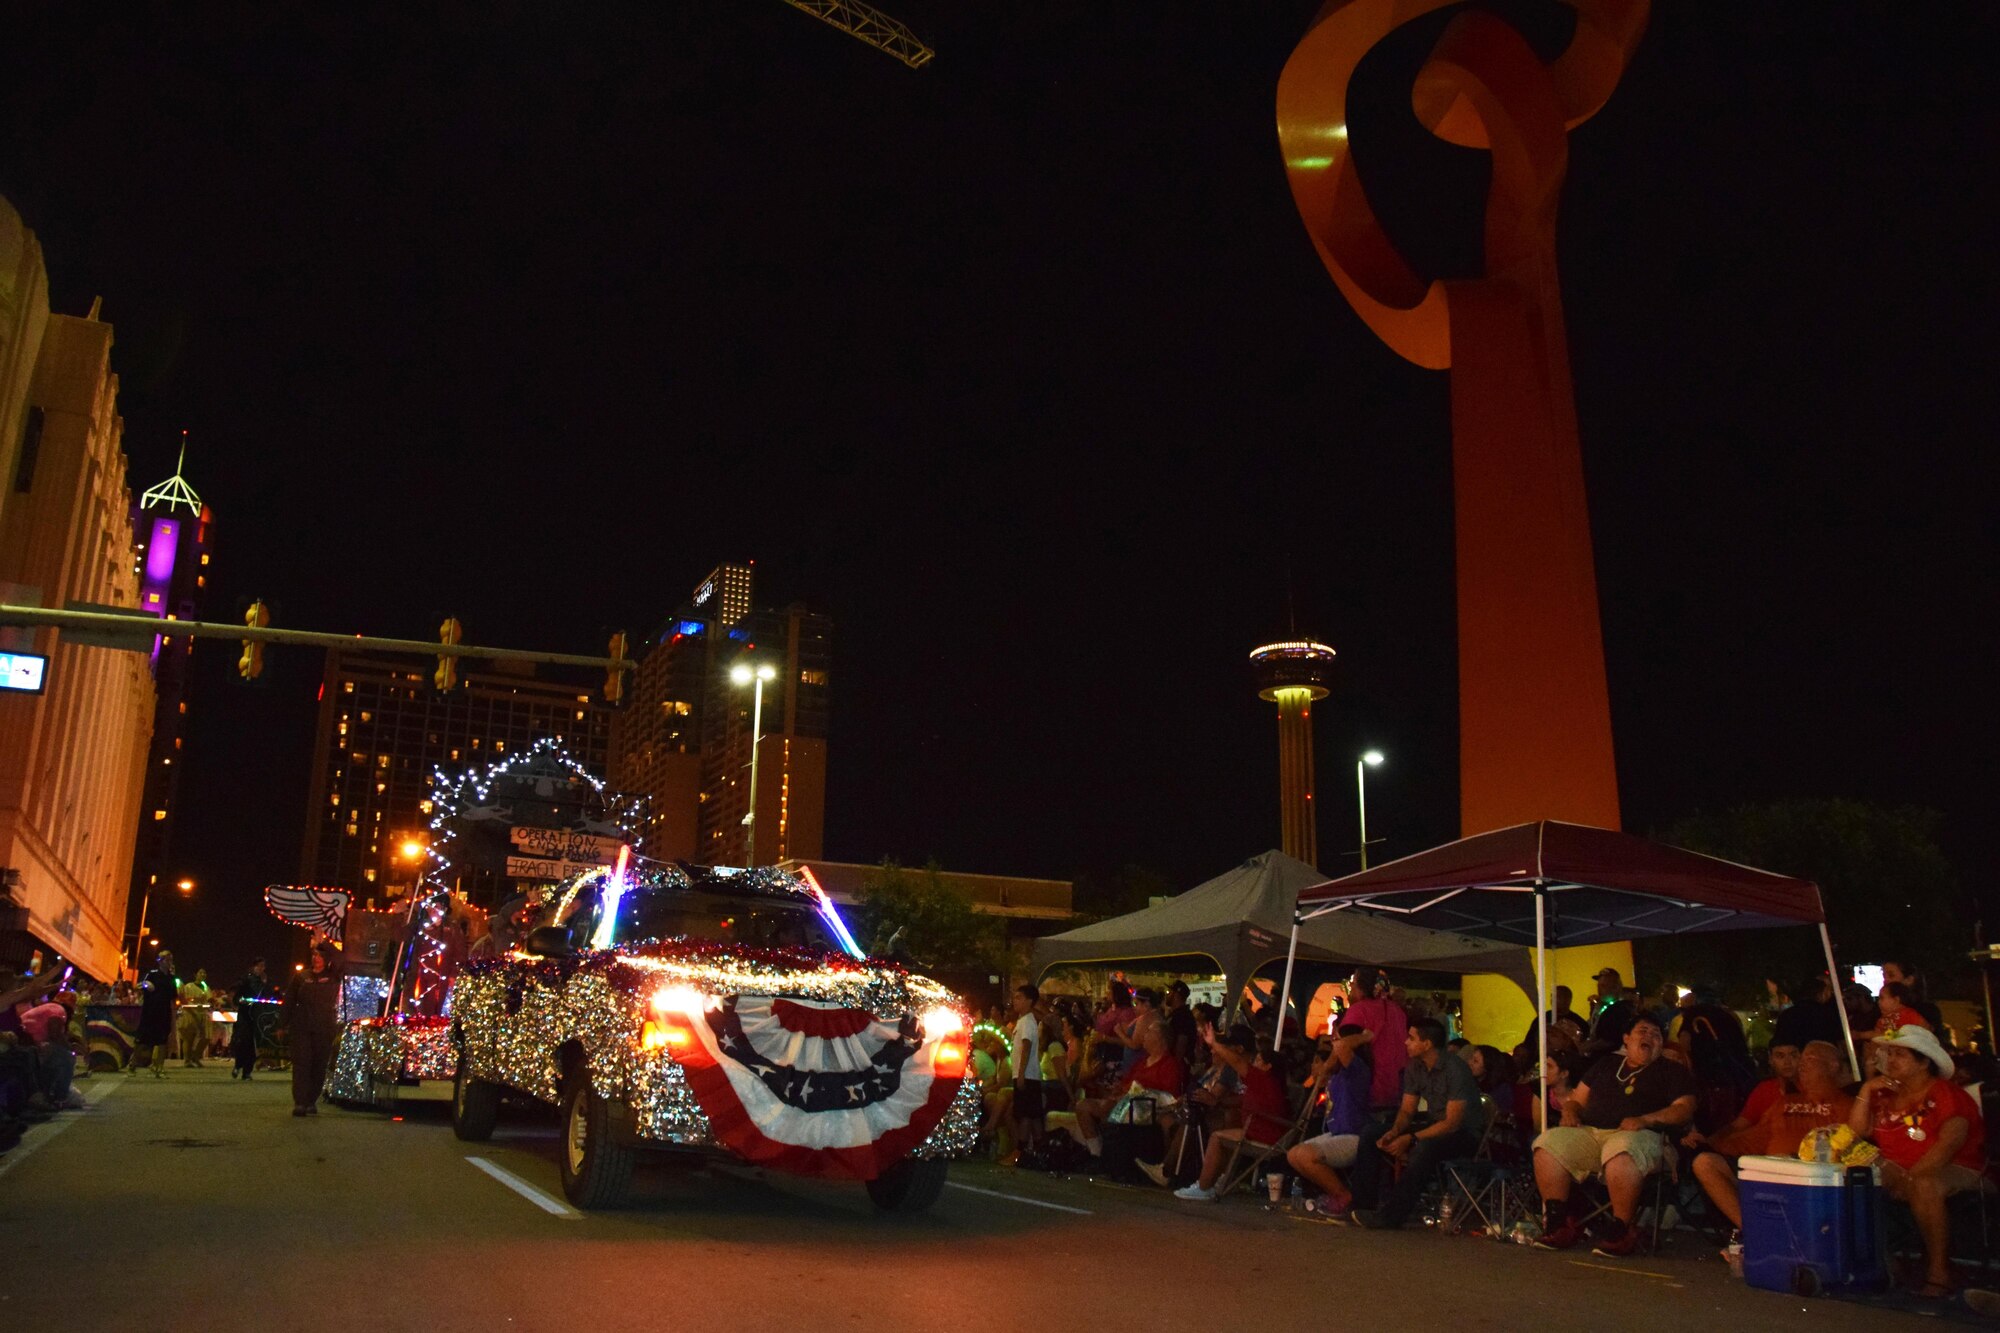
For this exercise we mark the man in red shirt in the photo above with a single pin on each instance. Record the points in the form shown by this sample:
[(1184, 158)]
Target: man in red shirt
[(1931, 1135), (1784, 1121)]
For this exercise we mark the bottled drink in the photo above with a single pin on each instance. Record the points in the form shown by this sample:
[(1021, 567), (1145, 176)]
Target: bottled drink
[(1445, 1213)]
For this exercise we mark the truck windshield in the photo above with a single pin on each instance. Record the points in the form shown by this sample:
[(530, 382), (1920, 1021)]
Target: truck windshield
[(758, 922)]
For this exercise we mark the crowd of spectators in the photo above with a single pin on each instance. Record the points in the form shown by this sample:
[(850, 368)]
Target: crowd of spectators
[(1142, 1086)]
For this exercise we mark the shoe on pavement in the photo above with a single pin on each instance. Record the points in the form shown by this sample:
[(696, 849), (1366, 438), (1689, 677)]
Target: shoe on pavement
[(1373, 1219), (1562, 1238), (1617, 1247), (1330, 1208), (313, 1109), (1196, 1194), (1155, 1172), (300, 1110)]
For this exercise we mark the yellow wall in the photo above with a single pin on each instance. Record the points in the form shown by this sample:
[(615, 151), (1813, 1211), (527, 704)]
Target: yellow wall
[(1497, 1012)]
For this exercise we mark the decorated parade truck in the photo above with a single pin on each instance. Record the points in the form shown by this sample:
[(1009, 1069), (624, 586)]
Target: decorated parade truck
[(716, 1011)]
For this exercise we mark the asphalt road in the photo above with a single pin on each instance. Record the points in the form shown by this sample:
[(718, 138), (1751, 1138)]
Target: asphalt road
[(197, 1203)]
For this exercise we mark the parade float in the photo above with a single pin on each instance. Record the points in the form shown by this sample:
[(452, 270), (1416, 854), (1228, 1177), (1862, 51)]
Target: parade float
[(716, 1011)]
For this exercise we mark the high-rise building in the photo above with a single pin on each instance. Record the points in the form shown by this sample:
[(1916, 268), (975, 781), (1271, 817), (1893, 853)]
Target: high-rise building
[(24, 315), (72, 757), (1293, 675), (682, 737), (383, 731), (174, 532)]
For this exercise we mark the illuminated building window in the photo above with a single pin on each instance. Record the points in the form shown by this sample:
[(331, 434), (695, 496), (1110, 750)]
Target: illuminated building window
[(425, 806), (349, 687), (368, 875), (184, 709), (336, 798), (812, 677), (177, 742), (159, 814), (381, 787), (367, 717), (454, 754), (201, 580), (204, 557), (502, 745), (381, 761), (168, 760)]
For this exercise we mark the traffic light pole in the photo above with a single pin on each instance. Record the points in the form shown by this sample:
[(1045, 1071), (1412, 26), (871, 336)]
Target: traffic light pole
[(143, 626)]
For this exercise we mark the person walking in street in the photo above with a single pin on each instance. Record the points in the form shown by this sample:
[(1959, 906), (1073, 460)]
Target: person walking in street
[(191, 1023), (243, 1036), (310, 1009), (157, 992)]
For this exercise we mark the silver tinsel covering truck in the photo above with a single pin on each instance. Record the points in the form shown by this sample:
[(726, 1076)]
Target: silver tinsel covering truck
[(721, 1011)]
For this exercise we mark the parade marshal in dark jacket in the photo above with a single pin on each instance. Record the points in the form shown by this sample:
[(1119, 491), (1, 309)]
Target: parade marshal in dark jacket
[(311, 1008)]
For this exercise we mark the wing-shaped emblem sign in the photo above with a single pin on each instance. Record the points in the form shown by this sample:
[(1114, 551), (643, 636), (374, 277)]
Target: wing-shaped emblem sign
[(323, 910)]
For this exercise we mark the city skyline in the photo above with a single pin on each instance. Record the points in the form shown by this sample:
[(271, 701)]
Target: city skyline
[(1081, 467)]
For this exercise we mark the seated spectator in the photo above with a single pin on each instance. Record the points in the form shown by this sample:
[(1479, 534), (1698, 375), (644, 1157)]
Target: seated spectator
[(1266, 1112), (1344, 1066), (1931, 1136), (1156, 1071), (1563, 1072), (1783, 1121), (1611, 1126), (1440, 1117), (1493, 1070)]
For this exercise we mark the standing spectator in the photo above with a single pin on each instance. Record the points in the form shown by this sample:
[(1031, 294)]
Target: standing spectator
[(1183, 1039), (1118, 1014), (1931, 1135), (243, 1036), (157, 991), (1440, 1118), (1028, 1104), (1370, 1007), (1916, 994), (310, 1023), (1711, 1037), (191, 1022), (1344, 1066), (1810, 1017), (1611, 1125), (1614, 1013)]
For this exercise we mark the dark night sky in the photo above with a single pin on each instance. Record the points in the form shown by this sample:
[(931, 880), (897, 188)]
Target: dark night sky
[(1022, 367)]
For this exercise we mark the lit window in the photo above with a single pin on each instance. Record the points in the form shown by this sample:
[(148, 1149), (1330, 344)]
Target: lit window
[(168, 760), (201, 580), (454, 754), (348, 687), (336, 798), (159, 814), (425, 806), (368, 875), (204, 557), (381, 761), (381, 787), (367, 717), (500, 745), (184, 708)]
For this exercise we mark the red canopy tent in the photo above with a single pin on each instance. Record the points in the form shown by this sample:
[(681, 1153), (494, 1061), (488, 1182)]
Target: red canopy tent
[(1556, 884)]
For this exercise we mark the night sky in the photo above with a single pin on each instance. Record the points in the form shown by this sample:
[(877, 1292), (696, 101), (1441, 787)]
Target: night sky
[(1022, 367)]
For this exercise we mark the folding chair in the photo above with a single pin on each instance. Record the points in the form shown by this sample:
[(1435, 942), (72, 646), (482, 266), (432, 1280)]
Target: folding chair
[(1653, 1197), (1486, 1185), (1259, 1153)]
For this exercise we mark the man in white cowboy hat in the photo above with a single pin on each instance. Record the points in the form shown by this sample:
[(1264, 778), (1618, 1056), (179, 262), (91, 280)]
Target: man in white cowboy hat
[(1931, 1135)]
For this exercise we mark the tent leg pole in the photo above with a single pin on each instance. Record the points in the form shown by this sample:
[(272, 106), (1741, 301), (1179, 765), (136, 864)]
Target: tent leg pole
[(1839, 1002), (1285, 991), (1542, 997)]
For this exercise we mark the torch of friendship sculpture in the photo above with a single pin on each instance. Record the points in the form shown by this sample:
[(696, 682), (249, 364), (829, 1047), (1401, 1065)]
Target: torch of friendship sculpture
[(1534, 716)]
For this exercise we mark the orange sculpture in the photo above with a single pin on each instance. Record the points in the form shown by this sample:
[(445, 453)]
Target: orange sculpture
[(1534, 717)]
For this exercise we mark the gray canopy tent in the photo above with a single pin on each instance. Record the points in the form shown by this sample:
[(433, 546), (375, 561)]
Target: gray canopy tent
[(1242, 919)]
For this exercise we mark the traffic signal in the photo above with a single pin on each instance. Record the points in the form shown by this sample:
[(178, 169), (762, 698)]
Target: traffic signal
[(447, 673), (614, 678), (251, 664)]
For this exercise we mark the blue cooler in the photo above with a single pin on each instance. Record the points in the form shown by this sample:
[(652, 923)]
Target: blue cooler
[(1811, 1226)]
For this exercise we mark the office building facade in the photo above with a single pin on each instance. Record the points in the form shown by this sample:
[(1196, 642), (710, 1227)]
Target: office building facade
[(683, 735), (383, 731), (73, 756)]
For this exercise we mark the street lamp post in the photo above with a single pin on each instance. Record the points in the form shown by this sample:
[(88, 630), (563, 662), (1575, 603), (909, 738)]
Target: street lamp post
[(1372, 759), (186, 886), (743, 674)]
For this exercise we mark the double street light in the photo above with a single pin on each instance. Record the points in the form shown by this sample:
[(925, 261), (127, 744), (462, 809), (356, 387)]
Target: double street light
[(745, 674)]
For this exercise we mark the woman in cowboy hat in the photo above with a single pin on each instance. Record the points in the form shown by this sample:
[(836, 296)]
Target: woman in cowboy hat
[(1931, 1135)]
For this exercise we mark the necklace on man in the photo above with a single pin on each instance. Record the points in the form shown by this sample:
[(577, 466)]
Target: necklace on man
[(1624, 1062)]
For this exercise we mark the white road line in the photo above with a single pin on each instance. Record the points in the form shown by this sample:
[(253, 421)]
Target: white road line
[(32, 1142), (547, 1203), (1020, 1198)]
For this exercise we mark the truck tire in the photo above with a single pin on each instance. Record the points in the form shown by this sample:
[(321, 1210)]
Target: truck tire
[(595, 1166), (910, 1186), (475, 1105)]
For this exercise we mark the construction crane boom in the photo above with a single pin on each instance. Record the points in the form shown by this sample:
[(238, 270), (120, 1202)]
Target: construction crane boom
[(872, 26)]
